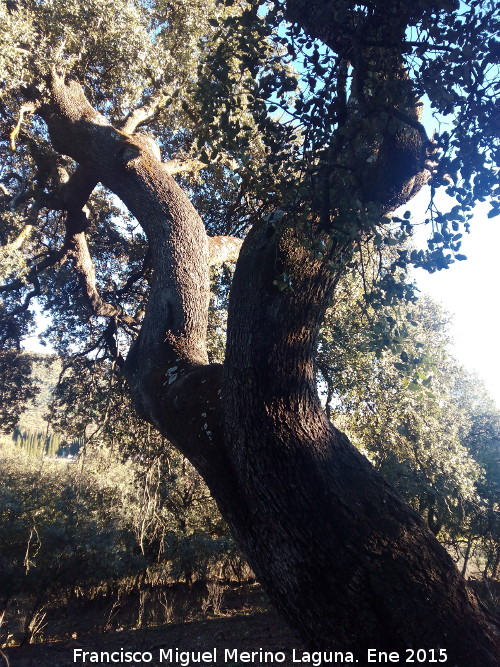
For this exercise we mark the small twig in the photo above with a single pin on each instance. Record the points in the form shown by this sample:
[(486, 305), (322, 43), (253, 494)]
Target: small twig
[(26, 108)]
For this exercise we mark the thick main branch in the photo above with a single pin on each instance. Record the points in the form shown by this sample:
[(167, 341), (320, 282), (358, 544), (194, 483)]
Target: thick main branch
[(167, 367), (174, 327)]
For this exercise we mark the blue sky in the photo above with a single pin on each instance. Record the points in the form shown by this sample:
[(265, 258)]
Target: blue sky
[(469, 290)]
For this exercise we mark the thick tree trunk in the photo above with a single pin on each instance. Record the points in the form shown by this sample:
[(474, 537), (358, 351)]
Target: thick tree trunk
[(347, 563)]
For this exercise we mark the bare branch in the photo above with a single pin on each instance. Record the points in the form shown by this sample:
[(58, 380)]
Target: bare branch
[(18, 242), (26, 231), (193, 165), (144, 113), (84, 266), (223, 249), (183, 165), (26, 108)]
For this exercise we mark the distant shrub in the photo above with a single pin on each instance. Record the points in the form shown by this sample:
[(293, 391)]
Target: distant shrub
[(100, 519), (61, 526)]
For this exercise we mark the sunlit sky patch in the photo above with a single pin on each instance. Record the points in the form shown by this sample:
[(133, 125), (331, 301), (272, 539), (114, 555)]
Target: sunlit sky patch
[(469, 290)]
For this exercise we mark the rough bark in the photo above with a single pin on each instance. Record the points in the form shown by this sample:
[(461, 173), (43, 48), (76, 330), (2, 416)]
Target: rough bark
[(345, 561), (173, 385)]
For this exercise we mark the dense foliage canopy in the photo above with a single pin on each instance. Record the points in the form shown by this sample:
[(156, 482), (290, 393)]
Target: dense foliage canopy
[(260, 105), (296, 126)]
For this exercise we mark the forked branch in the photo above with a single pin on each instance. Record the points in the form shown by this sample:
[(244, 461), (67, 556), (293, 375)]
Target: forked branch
[(84, 267)]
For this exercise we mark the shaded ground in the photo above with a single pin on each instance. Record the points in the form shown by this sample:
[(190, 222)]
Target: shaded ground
[(259, 630), (244, 623)]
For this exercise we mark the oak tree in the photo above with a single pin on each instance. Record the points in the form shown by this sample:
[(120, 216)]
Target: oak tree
[(296, 125)]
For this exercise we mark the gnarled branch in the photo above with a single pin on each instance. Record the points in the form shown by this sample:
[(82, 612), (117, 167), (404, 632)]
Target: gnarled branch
[(84, 267), (169, 357)]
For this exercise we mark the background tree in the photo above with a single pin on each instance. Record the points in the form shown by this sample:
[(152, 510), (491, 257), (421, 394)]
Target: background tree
[(392, 385), (17, 387), (344, 559), (481, 437)]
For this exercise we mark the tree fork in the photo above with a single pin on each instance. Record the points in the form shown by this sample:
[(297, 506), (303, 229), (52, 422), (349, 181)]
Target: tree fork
[(346, 562)]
